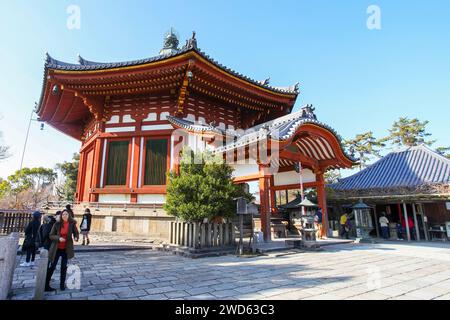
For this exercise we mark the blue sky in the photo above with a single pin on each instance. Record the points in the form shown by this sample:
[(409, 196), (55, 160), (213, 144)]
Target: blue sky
[(358, 79)]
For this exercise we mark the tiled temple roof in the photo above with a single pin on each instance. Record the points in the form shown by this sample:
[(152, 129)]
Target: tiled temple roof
[(410, 167), (191, 45), (194, 127), (298, 203), (281, 129)]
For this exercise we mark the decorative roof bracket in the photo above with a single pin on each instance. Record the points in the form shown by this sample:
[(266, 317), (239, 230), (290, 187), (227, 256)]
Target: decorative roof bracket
[(95, 106), (188, 76)]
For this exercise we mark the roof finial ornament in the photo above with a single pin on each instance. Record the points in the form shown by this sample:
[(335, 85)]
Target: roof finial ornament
[(192, 42), (170, 43), (48, 59), (267, 81), (296, 86), (308, 112)]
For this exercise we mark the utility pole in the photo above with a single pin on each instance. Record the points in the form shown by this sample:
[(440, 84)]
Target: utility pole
[(26, 137), (26, 140)]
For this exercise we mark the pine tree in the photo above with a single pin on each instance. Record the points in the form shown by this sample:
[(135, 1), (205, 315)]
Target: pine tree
[(444, 151), (364, 147), (409, 133), (69, 169), (203, 188), (3, 150)]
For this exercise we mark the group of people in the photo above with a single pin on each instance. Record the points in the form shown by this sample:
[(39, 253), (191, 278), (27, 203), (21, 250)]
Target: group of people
[(56, 234), (400, 227), (345, 227)]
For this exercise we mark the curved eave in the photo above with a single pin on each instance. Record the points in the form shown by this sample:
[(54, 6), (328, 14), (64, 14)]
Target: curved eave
[(308, 125), (316, 127), (70, 130), (186, 53)]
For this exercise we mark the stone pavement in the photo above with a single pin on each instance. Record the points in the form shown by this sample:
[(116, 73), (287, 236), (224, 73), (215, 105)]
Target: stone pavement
[(344, 271)]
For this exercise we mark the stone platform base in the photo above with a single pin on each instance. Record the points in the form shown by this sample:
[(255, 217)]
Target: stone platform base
[(134, 220), (197, 253), (305, 245)]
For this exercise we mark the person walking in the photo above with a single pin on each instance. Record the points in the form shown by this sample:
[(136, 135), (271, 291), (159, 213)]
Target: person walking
[(384, 224), (63, 233), (31, 241), (85, 226), (318, 223), (344, 225)]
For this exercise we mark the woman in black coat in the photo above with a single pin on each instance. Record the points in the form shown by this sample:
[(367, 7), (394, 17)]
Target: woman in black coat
[(85, 225), (31, 241), (44, 231)]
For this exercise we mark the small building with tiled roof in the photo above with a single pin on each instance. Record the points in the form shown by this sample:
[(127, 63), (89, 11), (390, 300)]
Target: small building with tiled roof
[(412, 181)]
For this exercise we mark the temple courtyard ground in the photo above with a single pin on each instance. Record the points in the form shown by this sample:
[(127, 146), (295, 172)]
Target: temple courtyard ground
[(344, 271)]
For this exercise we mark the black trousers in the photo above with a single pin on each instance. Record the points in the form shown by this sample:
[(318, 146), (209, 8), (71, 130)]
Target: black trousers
[(52, 266), (344, 232), (31, 253)]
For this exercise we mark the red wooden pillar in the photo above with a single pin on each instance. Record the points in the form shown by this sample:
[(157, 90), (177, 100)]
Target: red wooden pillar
[(93, 197), (135, 166), (79, 192), (322, 202), (264, 202)]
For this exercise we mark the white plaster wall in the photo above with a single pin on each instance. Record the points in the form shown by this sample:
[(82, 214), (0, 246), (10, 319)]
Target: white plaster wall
[(156, 127), (114, 198), (120, 129), (127, 119), (114, 119), (241, 170), (151, 198), (292, 177), (151, 117), (163, 115), (190, 117)]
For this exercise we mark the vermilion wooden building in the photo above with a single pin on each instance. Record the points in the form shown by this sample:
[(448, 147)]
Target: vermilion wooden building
[(132, 117)]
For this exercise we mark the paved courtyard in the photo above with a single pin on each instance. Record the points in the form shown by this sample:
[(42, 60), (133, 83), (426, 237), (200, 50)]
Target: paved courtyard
[(350, 271)]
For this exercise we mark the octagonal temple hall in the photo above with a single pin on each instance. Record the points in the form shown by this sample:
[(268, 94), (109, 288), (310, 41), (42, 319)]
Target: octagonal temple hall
[(132, 119)]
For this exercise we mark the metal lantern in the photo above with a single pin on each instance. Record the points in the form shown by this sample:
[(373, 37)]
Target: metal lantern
[(363, 221)]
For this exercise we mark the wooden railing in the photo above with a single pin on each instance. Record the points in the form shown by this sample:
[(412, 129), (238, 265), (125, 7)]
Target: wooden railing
[(14, 220), (202, 235)]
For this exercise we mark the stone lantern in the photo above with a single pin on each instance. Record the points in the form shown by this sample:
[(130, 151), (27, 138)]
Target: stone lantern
[(363, 221), (308, 228)]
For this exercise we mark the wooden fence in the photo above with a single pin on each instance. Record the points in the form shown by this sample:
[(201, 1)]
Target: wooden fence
[(202, 235), (14, 220)]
